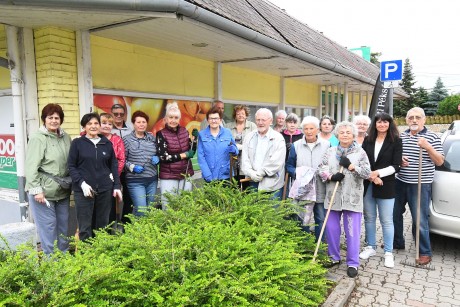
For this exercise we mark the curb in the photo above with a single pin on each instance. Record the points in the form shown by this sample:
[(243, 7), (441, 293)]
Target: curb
[(342, 291)]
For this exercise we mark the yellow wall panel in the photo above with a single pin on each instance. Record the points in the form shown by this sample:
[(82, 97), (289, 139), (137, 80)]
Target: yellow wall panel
[(4, 72), (301, 94), (123, 66)]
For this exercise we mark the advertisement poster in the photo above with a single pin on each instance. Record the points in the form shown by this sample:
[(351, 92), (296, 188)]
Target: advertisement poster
[(192, 112), (8, 177)]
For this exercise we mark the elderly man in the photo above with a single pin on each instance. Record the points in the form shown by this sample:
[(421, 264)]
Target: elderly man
[(119, 117), (416, 138), (280, 118), (220, 105), (308, 151), (263, 155)]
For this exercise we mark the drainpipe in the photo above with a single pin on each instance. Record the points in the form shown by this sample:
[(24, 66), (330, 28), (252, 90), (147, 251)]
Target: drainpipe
[(197, 13), (12, 37)]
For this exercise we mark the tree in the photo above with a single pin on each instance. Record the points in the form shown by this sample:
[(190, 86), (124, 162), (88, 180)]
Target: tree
[(375, 58), (439, 92), (407, 84), (428, 106), (449, 105)]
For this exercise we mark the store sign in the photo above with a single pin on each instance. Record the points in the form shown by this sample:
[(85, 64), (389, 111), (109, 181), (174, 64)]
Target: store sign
[(8, 171)]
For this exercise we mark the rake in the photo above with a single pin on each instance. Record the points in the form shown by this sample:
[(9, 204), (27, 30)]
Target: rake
[(417, 232)]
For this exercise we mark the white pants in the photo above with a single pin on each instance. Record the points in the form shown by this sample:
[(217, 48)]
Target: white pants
[(172, 186)]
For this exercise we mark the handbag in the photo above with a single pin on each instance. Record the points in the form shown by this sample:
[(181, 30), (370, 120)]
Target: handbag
[(64, 182)]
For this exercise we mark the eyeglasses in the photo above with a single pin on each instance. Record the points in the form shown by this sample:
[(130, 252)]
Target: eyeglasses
[(414, 117), (118, 114), (213, 119), (362, 124)]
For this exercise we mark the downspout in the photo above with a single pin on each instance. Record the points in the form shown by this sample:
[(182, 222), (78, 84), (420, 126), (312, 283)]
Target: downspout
[(197, 13), (12, 39)]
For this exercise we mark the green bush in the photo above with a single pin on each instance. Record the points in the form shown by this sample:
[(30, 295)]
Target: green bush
[(215, 246), (449, 105)]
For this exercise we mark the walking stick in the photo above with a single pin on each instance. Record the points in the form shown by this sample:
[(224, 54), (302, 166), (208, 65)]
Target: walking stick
[(326, 217), (286, 179), (419, 195)]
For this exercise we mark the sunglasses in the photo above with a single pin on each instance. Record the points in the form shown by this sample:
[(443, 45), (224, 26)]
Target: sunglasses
[(116, 114)]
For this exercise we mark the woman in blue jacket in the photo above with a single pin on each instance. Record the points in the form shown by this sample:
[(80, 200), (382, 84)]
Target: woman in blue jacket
[(215, 144), (94, 171)]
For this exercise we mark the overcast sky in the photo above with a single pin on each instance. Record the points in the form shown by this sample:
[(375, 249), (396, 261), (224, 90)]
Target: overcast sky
[(426, 32)]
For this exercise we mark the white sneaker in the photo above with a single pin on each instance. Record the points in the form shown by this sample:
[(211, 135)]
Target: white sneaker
[(389, 260), (368, 251)]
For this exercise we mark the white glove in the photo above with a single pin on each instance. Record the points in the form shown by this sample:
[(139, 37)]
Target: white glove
[(254, 176), (87, 189), (239, 146), (111, 176), (117, 193)]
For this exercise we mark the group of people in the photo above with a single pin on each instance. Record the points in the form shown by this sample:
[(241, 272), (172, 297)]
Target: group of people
[(353, 169)]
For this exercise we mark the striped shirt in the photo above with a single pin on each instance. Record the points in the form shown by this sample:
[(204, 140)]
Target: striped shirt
[(409, 174)]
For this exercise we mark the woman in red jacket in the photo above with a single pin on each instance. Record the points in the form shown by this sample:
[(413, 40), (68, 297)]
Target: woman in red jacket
[(175, 149)]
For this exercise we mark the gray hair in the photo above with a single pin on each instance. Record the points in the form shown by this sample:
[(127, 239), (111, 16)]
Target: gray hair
[(416, 109), (280, 112), (264, 111), (292, 118), (362, 118), (310, 120), (345, 124)]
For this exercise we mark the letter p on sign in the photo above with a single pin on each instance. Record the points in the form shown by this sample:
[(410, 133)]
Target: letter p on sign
[(391, 70)]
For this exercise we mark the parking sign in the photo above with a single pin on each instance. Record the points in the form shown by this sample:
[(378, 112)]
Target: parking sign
[(391, 70)]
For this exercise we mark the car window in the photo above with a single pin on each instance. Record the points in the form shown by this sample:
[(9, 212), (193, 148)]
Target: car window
[(452, 155)]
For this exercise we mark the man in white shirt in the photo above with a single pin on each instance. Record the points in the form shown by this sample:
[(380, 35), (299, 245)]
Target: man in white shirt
[(263, 156)]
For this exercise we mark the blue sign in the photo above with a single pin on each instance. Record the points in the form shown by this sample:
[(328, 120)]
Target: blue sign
[(391, 70)]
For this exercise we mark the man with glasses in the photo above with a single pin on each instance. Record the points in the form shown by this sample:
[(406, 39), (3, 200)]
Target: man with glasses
[(119, 125), (263, 156), (414, 139)]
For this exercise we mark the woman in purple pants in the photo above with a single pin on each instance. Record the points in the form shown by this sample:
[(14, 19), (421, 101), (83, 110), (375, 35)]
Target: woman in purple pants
[(348, 200)]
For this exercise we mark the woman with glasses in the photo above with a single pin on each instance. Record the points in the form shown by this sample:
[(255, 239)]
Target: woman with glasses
[(141, 164), (93, 167), (362, 123), (292, 132), (326, 126), (215, 144)]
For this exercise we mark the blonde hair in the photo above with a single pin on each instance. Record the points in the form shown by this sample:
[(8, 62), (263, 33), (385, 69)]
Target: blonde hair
[(172, 108)]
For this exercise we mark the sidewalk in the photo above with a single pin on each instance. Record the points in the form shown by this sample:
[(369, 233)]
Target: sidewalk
[(402, 285)]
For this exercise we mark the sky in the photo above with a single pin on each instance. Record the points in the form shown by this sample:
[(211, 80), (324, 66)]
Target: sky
[(424, 31)]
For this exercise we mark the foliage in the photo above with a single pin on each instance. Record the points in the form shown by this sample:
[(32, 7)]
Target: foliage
[(375, 58), (401, 106), (449, 105), (421, 95), (214, 246)]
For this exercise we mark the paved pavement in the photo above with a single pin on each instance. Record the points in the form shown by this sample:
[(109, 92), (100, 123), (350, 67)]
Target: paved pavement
[(402, 285)]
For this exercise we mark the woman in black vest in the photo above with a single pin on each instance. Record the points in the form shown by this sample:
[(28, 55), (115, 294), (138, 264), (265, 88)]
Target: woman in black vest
[(175, 149)]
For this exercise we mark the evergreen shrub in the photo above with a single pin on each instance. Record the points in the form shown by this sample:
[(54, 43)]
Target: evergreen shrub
[(214, 246)]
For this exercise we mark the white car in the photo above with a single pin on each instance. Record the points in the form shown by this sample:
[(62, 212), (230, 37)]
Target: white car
[(445, 204)]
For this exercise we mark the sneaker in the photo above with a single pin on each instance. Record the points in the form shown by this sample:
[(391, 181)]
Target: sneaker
[(352, 272), (331, 263), (368, 251), (389, 260)]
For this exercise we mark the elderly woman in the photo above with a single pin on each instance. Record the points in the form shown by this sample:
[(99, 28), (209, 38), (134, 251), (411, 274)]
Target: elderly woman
[(215, 144), (362, 123), (141, 164), (307, 152), (345, 167), (280, 118), (240, 127), (175, 149), (94, 171), (326, 126), (46, 158), (292, 132), (384, 149)]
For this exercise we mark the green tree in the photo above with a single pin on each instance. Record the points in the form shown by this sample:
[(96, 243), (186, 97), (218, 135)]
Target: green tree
[(375, 58), (421, 96), (401, 106), (439, 92), (449, 105)]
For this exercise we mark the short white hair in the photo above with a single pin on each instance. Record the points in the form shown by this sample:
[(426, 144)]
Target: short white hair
[(362, 118), (264, 111), (172, 108), (280, 112), (416, 109), (345, 124), (310, 120)]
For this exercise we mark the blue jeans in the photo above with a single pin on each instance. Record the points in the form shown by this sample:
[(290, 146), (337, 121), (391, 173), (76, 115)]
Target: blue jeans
[(318, 215), (407, 193), (142, 194), (385, 208), (278, 194)]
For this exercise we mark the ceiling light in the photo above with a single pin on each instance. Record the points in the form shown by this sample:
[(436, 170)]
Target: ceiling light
[(283, 68)]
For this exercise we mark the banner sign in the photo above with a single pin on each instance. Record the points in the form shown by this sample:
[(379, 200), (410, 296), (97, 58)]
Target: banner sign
[(8, 171)]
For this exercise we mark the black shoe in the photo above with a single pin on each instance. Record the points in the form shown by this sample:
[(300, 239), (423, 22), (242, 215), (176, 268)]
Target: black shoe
[(331, 263), (352, 272), (399, 247)]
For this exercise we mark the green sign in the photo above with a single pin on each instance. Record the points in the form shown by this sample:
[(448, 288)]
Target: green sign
[(364, 52), (8, 172)]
